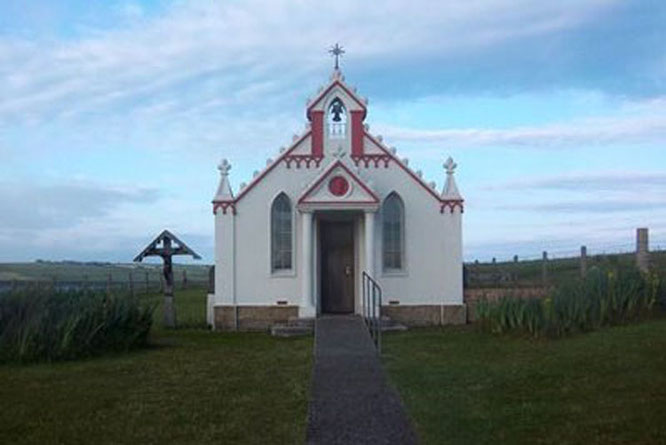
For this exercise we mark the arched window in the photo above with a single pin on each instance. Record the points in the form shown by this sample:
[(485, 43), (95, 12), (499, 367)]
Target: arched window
[(393, 233), (337, 119), (281, 234)]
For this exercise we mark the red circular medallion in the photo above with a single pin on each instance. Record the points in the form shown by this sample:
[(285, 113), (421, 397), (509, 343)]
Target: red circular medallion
[(338, 186)]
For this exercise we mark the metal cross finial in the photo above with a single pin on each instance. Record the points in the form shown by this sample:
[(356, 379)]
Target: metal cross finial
[(224, 167), (336, 51), (450, 166)]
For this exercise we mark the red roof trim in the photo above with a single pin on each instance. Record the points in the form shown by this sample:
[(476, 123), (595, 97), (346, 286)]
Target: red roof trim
[(275, 163), (405, 168), (350, 173), (327, 90)]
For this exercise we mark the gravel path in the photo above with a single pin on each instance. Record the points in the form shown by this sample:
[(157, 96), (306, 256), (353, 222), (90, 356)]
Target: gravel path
[(351, 402)]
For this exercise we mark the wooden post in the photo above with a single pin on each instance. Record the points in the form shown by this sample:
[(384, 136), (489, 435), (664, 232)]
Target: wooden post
[(544, 269), (642, 250), (131, 284), (583, 261)]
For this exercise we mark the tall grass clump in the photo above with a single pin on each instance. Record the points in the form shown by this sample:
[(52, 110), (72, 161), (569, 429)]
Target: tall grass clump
[(606, 296), (47, 325)]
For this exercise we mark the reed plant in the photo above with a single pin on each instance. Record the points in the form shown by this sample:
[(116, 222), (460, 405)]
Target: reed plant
[(46, 325), (606, 296)]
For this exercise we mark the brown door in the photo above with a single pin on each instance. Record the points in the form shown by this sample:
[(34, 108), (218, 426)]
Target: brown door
[(337, 267)]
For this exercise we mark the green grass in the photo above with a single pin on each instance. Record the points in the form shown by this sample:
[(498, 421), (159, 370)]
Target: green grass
[(464, 386), (69, 271), (196, 387), (190, 307), (559, 270), (191, 386)]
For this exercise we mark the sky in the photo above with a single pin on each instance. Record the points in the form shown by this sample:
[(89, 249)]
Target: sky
[(115, 114)]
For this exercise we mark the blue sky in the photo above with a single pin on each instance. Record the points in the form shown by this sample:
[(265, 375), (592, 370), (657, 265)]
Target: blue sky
[(114, 115)]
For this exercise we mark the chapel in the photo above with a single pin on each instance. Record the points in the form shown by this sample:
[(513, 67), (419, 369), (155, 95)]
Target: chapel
[(333, 205)]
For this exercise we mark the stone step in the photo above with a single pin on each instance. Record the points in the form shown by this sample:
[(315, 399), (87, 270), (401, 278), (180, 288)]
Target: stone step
[(387, 324), (287, 330), (296, 321)]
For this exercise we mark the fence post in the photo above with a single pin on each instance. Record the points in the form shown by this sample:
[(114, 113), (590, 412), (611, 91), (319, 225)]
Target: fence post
[(583, 261), (642, 250), (544, 269), (131, 284)]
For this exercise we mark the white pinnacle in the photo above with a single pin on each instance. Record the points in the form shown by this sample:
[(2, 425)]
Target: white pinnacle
[(224, 192), (450, 188)]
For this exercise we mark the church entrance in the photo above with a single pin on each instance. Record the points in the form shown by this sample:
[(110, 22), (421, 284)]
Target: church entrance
[(337, 266)]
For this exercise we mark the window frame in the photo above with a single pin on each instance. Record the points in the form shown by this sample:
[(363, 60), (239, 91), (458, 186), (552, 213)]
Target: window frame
[(402, 270), (278, 272)]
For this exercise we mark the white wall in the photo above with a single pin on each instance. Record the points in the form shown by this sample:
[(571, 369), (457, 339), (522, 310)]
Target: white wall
[(433, 240)]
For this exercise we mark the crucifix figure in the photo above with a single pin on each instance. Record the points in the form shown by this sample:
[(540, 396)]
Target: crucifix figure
[(170, 246), (336, 51)]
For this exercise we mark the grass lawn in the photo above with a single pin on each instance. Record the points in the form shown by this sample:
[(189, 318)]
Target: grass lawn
[(463, 386), (193, 386)]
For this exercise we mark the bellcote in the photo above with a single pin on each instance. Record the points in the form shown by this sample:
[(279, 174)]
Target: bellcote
[(336, 117)]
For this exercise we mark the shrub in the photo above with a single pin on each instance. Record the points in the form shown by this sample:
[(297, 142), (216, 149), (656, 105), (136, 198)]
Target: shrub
[(606, 296), (51, 325)]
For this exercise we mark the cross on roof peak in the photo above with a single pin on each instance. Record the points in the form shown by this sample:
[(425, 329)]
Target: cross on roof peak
[(336, 51), (224, 167), (450, 166)]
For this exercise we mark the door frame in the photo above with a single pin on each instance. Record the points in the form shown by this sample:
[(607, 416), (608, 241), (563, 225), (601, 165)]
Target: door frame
[(353, 218)]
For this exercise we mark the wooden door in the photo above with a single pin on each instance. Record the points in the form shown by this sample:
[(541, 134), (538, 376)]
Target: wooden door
[(337, 267)]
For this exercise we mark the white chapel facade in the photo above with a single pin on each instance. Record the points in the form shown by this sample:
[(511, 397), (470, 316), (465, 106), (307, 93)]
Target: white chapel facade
[(335, 203)]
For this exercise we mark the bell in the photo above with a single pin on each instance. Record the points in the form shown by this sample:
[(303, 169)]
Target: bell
[(337, 110)]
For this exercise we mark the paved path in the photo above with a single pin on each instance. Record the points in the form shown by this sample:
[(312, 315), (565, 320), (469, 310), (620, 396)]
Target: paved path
[(351, 402)]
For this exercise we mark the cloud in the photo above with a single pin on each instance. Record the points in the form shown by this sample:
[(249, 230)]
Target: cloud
[(188, 49), (590, 182), (648, 128), (38, 207), (591, 206)]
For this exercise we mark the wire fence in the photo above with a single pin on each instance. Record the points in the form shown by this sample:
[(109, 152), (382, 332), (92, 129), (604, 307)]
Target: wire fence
[(132, 283), (559, 265)]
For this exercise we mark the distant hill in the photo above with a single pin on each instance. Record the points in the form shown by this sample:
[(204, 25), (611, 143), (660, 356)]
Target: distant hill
[(96, 271)]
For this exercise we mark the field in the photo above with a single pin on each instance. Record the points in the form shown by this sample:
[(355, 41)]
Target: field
[(559, 270), (192, 386), (463, 386), (75, 271)]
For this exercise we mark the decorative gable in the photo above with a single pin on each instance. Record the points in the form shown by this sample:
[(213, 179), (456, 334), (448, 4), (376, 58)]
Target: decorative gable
[(338, 186)]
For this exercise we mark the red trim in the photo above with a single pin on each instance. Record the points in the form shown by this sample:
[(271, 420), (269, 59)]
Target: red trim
[(338, 203), (317, 133), (451, 204), (224, 205), (327, 90), (326, 173), (376, 159), (305, 159), (357, 133), (405, 168), (277, 161)]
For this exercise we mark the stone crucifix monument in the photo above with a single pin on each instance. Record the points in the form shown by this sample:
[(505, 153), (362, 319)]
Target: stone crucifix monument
[(166, 245)]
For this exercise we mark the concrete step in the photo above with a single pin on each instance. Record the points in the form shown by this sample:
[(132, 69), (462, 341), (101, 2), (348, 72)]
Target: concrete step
[(296, 321), (287, 330)]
